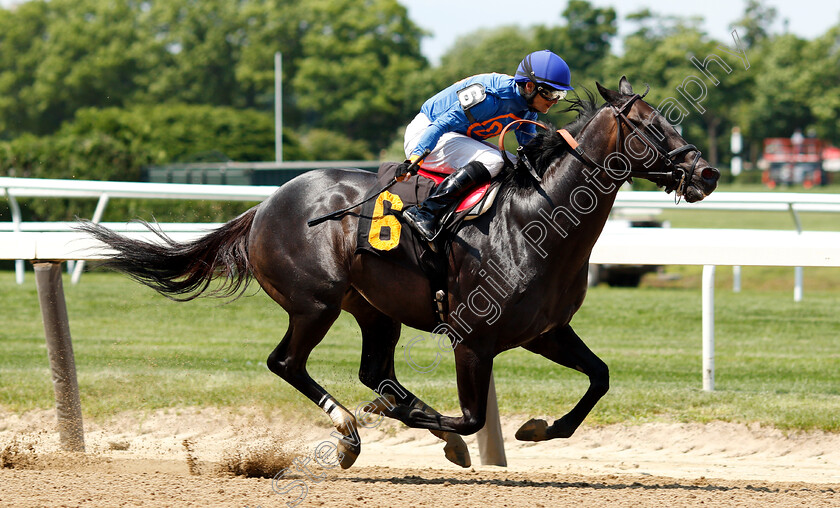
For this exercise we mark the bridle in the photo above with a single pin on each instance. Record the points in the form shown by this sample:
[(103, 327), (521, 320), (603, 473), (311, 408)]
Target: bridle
[(674, 179)]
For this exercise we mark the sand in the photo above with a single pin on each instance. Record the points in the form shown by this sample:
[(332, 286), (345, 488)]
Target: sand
[(188, 457)]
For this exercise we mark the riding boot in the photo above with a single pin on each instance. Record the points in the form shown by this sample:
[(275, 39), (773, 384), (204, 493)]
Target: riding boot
[(424, 218)]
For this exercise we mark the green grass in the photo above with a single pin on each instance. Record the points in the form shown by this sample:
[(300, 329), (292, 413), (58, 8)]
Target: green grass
[(692, 215), (778, 362), (831, 188)]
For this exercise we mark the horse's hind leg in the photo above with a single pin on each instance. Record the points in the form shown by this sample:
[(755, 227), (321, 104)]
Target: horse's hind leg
[(472, 369), (380, 335), (288, 360), (563, 346)]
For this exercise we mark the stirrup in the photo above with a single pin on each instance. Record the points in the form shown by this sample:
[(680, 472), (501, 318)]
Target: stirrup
[(415, 225)]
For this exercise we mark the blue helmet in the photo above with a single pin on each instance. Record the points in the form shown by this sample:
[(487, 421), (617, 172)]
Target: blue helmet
[(545, 68)]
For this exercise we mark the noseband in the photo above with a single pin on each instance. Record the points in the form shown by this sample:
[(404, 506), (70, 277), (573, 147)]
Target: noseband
[(675, 178)]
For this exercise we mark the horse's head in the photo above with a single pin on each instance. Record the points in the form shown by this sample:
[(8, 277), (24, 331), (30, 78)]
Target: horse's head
[(655, 149)]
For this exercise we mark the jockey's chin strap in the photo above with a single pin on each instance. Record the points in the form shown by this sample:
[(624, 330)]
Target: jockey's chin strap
[(674, 179)]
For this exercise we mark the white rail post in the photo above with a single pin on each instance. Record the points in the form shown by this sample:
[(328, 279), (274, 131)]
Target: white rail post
[(708, 328), (491, 443), (20, 267), (736, 279), (79, 266), (797, 270)]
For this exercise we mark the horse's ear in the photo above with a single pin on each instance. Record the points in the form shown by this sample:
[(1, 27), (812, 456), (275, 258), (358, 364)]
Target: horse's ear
[(610, 96), (624, 86)]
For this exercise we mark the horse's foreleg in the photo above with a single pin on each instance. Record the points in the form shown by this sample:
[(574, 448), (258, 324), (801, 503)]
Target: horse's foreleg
[(395, 400), (473, 371), (288, 360), (380, 335), (563, 346)]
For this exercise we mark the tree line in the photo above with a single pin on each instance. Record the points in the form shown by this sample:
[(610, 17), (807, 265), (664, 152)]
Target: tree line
[(98, 88)]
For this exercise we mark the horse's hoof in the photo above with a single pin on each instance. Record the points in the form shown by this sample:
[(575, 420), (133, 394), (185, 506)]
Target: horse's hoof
[(561, 429), (348, 453), (456, 450), (533, 430), (383, 405)]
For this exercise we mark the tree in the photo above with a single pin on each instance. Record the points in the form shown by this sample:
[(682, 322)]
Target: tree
[(822, 88), (343, 60), (64, 54), (781, 92), (582, 42), (271, 26), (586, 37), (194, 48), (181, 132), (320, 144), (487, 50), (18, 63), (755, 23), (685, 93)]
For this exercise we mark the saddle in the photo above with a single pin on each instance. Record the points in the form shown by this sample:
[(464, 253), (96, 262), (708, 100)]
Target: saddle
[(475, 203), (382, 232)]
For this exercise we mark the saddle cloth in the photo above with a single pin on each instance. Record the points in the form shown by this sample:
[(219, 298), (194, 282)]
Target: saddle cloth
[(382, 231)]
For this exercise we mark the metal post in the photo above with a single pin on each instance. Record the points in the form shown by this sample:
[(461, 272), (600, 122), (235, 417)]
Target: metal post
[(736, 143), (708, 328), (797, 284), (20, 268), (278, 106), (797, 271), (796, 221), (68, 407), (491, 443), (736, 279)]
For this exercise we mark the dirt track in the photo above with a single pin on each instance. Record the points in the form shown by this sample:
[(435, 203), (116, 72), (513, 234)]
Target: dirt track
[(141, 460)]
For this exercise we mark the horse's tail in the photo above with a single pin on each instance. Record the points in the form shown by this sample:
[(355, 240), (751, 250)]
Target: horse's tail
[(183, 271)]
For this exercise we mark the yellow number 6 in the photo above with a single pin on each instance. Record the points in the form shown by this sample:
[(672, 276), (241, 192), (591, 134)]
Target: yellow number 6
[(380, 220)]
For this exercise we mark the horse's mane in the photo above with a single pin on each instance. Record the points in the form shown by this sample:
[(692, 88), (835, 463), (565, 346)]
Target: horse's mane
[(549, 145)]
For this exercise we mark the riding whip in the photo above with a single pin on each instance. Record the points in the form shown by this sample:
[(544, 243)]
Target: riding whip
[(332, 215)]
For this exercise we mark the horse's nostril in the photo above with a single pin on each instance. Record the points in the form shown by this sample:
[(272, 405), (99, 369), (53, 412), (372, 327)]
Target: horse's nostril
[(710, 173)]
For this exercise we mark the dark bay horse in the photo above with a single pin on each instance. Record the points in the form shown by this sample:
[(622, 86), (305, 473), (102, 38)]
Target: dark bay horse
[(516, 275)]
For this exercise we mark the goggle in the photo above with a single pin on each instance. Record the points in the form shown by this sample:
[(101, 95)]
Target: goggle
[(550, 94)]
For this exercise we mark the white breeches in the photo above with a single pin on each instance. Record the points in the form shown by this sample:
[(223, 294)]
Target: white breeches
[(453, 150)]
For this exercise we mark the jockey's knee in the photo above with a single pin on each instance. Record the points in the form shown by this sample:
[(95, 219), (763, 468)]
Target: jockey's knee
[(492, 163), (478, 171)]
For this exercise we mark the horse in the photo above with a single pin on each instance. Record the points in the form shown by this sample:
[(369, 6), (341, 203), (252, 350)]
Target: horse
[(516, 275)]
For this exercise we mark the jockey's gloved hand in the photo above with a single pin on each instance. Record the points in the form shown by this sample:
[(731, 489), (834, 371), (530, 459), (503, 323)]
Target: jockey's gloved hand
[(402, 171)]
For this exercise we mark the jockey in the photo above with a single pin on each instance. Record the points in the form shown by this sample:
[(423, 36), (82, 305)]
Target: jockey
[(454, 123)]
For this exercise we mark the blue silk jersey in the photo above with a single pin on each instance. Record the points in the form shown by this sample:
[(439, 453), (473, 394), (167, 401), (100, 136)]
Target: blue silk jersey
[(501, 105)]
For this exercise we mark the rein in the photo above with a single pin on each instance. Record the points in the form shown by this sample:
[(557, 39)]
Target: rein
[(678, 178), (519, 152)]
